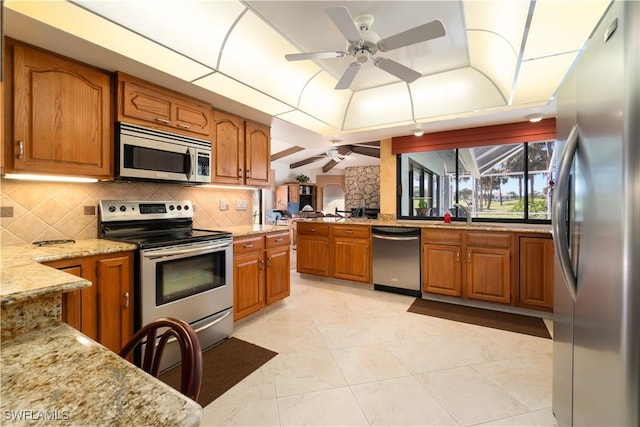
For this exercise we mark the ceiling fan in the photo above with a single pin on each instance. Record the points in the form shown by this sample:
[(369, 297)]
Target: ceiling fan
[(363, 44), (338, 152)]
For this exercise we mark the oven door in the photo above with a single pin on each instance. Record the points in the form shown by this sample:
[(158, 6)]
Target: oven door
[(192, 282)]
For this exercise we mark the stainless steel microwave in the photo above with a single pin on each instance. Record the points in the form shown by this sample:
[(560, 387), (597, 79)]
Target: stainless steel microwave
[(153, 155)]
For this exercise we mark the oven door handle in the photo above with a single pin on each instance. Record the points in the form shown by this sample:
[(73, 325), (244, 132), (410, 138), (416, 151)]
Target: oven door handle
[(203, 327), (172, 251)]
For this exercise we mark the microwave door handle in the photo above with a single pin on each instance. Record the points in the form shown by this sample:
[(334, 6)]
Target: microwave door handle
[(190, 154), (560, 219)]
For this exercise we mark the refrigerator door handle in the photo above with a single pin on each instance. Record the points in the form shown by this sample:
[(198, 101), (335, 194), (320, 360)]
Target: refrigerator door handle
[(559, 214)]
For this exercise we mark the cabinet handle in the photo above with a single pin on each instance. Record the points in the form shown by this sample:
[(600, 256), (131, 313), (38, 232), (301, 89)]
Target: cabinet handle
[(458, 257), (248, 245), (349, 231), (313, 230), (161, 120), (239, 173), (279, 240), (248, 173), (269, 262), (126, 300), (469, 257), (182, 126), (261, 264), (21, 149)]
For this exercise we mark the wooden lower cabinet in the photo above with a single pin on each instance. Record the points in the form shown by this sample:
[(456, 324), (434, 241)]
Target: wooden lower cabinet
[(260, 272), (475, 265), (313, 248), (351, 253), (536, 273), (441, 269), (103, 311), (489, 274)]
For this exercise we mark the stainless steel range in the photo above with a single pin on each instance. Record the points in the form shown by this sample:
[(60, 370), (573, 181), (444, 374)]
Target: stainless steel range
[(181, 272)]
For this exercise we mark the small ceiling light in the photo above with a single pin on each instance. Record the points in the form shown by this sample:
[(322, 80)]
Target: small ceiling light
[(534, 117), (335, 141), (418, 132)]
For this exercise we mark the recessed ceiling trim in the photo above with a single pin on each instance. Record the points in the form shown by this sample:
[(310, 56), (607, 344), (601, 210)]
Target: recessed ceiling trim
[(226, 37), (305, 86), (523, 45)]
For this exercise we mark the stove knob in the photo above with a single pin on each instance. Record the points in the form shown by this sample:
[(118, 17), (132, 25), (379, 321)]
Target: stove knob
[(179, 207), (123, 208), (186, 207), (112, 208), (171, 207)]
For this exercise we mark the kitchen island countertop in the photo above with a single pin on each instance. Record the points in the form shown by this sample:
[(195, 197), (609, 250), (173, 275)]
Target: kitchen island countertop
[(51, 373)]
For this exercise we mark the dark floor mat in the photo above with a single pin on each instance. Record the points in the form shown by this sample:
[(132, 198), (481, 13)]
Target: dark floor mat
[(479, 316), (224, 366)]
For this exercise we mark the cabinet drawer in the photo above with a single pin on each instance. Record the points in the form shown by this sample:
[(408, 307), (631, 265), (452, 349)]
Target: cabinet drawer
[(491, 240), (277, 239), (442, 237), (312, 228), (246, 245), (345, 230)]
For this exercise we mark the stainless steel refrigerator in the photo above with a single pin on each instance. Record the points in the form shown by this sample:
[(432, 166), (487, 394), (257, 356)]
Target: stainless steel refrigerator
[(596, 225)]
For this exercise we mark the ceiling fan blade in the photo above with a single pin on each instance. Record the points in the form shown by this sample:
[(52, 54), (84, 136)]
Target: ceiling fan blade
[(342, 19), (348, 76), (397, 69), (314, 55), (421, 33)]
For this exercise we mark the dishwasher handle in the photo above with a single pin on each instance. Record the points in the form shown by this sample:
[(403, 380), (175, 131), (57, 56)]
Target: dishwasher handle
[(381, 237)]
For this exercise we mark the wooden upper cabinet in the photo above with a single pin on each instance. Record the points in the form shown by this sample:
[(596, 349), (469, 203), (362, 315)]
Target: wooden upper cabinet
[(257, 154), (242, 151), (58, 115), (228, 149), (146, 104)]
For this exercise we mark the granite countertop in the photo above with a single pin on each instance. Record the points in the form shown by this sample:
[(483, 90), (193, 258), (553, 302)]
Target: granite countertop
[(250, 229), (53, 373), (23, 277), (57, 375), (458, 225)]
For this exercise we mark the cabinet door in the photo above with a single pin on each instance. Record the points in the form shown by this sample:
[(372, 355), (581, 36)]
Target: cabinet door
[(441, 269), (62, 116), (141, 102), (115, 300), (72, 302), (313, 255), (351, 259), (248, 284), (228, 149), (536, 273), (257, 154), (489, 274), (192, 117), (278, 274)]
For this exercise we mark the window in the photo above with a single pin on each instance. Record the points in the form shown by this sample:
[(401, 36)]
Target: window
[(505, 182)]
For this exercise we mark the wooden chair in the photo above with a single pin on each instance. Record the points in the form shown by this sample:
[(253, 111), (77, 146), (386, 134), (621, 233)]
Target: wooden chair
[(190, 350)]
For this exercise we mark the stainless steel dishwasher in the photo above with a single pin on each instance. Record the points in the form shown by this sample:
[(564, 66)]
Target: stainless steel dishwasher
[(396, 259)]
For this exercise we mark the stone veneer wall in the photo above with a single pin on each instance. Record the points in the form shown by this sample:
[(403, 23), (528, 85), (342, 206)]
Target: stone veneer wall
[(362, 187), (32, 211)]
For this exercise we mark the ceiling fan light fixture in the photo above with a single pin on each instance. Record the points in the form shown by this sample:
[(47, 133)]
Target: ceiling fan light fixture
[(533, 118)]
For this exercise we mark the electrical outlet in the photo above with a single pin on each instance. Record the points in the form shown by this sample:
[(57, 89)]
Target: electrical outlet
[(241, 205), (6, 212)]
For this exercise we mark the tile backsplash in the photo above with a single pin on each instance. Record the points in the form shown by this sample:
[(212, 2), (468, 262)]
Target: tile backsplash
[(32, 211)]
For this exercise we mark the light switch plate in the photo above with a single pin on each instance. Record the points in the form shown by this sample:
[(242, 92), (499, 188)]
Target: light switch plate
[(241, 205), (224, 205)]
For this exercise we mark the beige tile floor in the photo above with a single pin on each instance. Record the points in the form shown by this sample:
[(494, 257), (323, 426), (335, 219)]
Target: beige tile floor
[(352, 356)]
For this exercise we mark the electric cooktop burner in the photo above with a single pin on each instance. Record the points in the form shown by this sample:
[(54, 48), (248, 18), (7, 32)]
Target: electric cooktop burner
[(150, 224)]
